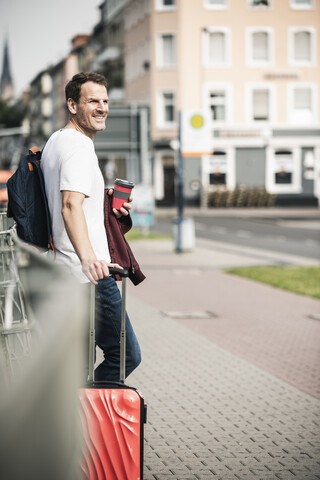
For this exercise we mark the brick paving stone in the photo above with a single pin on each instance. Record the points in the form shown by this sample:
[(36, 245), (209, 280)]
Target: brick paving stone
[(214, 415), (275, 330)]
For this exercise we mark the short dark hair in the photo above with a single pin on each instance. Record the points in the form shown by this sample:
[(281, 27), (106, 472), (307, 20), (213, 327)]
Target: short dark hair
[(73, 87)]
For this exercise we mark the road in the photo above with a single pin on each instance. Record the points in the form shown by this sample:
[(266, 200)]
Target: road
[(292, 235)]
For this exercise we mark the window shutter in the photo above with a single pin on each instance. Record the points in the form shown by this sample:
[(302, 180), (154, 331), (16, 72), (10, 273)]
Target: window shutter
[(260, 46), (302, 46), (168, 50), (261, 105), (217, 47), (302, 98)]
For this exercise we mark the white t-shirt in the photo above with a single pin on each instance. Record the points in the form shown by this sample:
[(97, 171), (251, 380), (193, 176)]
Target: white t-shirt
[(69, 163)]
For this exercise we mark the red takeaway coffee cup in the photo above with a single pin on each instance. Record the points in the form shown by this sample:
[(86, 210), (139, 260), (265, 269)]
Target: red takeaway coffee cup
[(121, 193)]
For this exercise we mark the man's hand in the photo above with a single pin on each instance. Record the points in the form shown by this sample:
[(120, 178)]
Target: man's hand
[(125, 209), (97, 269)]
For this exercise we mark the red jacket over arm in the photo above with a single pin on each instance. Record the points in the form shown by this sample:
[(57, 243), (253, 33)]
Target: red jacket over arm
[(119, 248)]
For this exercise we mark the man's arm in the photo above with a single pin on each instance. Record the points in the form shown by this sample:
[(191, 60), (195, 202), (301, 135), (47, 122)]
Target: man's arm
[(77, 230)]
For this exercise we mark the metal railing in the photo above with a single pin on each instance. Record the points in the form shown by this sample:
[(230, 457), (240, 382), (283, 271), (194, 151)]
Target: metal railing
[(42, 324), (15, 327)]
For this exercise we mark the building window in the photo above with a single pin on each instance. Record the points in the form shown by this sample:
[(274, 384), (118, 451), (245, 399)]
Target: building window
[(217, 100), (166, 111), (218, 105), (302, 4), (259, 46), (218, 164), (260, 103), (166, 52), (216, 47), (284, 167), (168, 106), (259, 3), (260, 50), (302, 104), (218, 170), (165, 5), (215, 4), (283, 173), (302, 101), (302, 46)]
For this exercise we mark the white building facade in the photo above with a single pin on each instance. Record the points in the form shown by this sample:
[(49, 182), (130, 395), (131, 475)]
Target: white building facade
[(253, 66)]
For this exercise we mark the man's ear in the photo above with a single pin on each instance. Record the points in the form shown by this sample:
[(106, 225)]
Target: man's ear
[(72, 106)]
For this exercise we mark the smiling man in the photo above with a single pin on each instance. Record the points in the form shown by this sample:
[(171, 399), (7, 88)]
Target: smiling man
[(75, 190)]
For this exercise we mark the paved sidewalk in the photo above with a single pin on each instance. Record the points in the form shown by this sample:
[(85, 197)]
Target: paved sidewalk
[(230, 368)]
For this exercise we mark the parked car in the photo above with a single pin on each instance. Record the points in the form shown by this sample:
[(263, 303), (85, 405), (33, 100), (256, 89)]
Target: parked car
[(4, 177)]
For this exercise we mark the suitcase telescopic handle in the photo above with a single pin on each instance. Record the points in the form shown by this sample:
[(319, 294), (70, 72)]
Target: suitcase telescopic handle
[(123, 274), (118, 271)]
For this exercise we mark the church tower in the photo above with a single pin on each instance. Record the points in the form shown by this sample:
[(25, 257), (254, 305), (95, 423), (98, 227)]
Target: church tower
[(6, 83)]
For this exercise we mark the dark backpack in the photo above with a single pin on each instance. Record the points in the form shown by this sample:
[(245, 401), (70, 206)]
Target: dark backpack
[(27, 202)]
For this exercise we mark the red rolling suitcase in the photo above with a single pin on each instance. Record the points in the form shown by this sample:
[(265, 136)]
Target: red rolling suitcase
[(112, 415)]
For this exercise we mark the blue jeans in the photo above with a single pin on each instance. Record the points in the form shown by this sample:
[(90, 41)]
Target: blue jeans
[(108, 325)]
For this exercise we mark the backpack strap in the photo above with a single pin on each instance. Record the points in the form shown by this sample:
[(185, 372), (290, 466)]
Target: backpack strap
[(34, 150), (37, 165)]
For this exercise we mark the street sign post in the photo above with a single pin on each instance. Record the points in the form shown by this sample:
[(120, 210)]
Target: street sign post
[(196, 135), (194, 141)]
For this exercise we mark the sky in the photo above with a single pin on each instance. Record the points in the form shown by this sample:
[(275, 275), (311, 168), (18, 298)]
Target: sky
[(39, 33)]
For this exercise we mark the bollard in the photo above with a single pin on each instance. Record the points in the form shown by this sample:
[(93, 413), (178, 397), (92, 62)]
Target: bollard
[(183, 234)]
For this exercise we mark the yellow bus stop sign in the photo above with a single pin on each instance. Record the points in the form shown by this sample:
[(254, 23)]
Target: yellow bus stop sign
[(197, 121), (196, 133)]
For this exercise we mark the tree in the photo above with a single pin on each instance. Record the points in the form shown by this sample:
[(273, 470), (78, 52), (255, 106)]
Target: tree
[(10, 115)]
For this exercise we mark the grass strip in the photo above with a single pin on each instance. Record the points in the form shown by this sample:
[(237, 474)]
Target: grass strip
[(137, 234), (302, 280)]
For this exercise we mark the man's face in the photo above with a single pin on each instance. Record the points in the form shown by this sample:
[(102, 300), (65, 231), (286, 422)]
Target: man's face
[(91, 111)]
